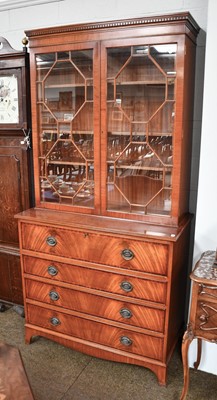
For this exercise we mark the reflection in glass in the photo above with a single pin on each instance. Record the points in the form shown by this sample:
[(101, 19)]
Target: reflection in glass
[(165, 56), (162, 122), (65, 121), (141, 88), (117, 57)]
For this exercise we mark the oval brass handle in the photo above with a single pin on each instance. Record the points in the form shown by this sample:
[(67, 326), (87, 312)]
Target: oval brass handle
[(53, 271), (126, 286), (126, 341), (55, 321), (54, 295), (51, 241), (127, 254), (126, 313)]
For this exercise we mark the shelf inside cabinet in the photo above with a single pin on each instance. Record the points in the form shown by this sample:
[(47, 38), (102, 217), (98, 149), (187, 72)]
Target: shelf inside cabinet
[(138, 167), (149, 83), (66, 85), (63, 162), (139, 134)]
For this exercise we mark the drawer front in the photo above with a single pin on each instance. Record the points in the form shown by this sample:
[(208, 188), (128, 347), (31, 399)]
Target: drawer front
[(122, 339), (206, 318), (124, 312), (207, 292), (124, 253), (91, 278)]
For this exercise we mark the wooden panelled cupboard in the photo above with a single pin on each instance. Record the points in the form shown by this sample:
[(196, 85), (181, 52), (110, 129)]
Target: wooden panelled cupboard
[(15, 165), (105, 250)]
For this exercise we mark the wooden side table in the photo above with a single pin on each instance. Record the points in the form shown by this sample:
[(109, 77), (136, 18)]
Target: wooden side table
[(203, 312)]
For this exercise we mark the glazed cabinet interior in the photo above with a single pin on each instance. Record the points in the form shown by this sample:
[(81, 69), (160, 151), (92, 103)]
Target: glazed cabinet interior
[(104, 252)]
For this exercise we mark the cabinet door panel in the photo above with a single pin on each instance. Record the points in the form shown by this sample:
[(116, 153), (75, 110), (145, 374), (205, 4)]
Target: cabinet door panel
[(14, 197), (10, 278), (67, 105), (140, 103), (10, 194)]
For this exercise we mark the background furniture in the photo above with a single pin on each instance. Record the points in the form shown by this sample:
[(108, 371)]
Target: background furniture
[(203, 312), (15, 164), (14, 384), (105, 251)]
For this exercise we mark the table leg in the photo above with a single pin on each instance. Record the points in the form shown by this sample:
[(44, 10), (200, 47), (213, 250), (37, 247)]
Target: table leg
[(199, 349), (186, 341)]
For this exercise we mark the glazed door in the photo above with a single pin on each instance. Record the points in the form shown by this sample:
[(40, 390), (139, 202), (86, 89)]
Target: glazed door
[(139, 97), (67, 128)]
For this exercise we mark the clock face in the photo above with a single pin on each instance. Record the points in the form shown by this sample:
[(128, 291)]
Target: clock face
[(9, 104)]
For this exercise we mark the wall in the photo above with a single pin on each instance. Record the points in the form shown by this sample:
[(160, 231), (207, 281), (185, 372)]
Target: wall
[(53, 12), (17, 16), (206, 220)]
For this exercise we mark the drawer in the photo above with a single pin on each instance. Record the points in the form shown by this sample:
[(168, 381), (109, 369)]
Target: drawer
[(118, 338), (207, 292), (206, 318), (96, 279), (111, 309), (94, 247)]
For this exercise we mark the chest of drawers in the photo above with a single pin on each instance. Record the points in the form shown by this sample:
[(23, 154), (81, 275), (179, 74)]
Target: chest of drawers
[(101, 289)]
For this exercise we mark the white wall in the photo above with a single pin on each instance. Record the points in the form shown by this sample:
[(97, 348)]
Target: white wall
[(22, 16), (14, 21), (206, 218)]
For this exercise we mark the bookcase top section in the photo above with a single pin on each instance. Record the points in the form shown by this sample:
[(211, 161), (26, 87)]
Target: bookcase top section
[(184, 18)]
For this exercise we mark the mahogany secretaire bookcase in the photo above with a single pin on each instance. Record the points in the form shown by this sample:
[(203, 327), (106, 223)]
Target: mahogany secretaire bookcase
[(104, 252)]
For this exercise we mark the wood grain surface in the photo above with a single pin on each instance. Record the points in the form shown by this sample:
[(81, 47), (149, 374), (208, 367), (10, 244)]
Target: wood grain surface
[(14, 384)]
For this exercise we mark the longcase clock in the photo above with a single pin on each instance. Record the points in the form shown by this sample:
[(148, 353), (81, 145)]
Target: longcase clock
[(15, 163)]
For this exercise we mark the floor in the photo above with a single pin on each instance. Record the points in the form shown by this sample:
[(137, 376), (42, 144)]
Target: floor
[(58, 373)]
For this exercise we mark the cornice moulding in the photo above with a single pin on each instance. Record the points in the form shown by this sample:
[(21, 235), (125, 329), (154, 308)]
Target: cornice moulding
[(184, 17)]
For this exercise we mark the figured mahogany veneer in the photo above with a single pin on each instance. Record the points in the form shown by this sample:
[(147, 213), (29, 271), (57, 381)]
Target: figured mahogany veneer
[(108, 335), (96, 306), (147, 257), (108, 279), (117, 310), (105, 250)]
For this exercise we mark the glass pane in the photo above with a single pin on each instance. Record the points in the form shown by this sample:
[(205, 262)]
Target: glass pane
[(165, 56), (65, 123), (116, 199), (117, 145), (140, 69), (64, 90), (162, 147), (160, 204), (170, 89), (141, 88), (82, 122), (82, 60), (117, 57), (43, 63), (63, 55), (162, 122)]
